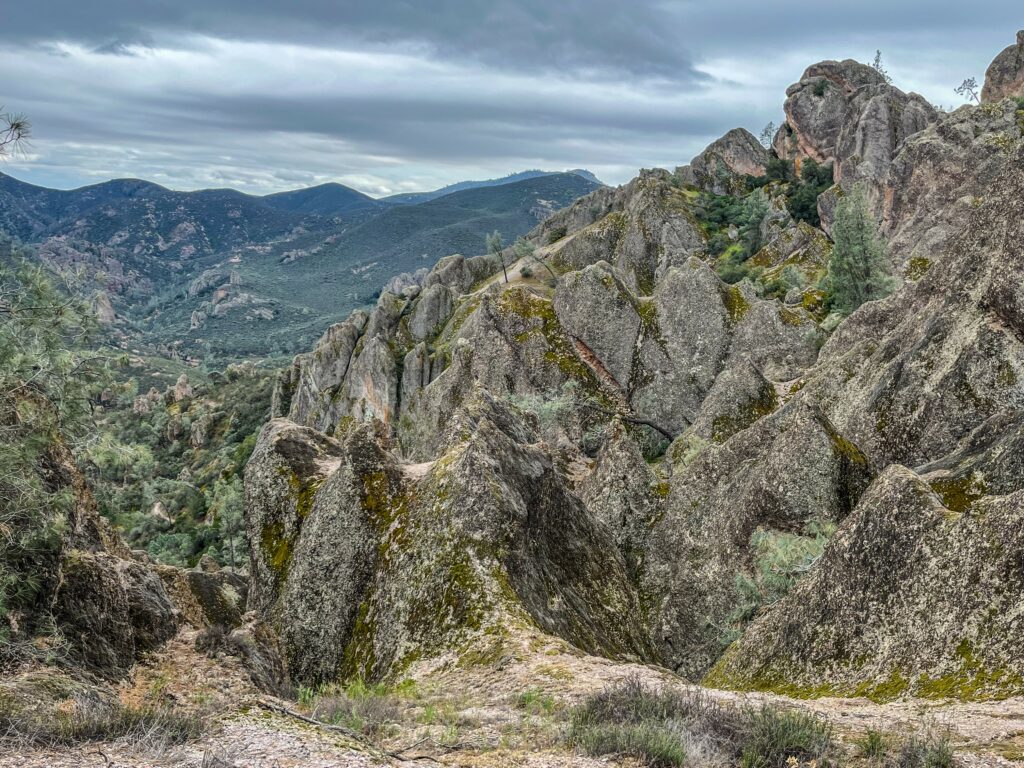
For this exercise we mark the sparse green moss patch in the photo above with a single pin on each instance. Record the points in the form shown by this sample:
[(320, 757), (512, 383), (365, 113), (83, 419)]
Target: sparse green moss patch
[(736, 303), (959, 493), (917, 267)]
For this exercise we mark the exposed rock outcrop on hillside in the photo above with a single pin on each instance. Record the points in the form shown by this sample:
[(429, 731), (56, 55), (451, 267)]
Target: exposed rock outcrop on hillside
[(921, 589), (610, 444), (371, 566), (722, 167), (1005, 75)]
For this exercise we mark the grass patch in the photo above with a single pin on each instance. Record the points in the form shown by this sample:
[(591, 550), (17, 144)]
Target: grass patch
[(873, 745), (153, 728), (536, 702), (929, 749), (664, 727), (369, 709)]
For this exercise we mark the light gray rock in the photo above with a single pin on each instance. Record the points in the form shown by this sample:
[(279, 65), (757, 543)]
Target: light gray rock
[(1005, 75), (597, 310), (724, 165), (385, 568)]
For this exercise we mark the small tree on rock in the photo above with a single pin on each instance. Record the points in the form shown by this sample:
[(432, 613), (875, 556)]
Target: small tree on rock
[(857, 270), (969, 90), (14, 131), (524, 249), (879, 67), (495, 247)]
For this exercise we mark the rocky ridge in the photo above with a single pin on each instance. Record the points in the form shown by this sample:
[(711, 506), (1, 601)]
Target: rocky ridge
[(769, 425)]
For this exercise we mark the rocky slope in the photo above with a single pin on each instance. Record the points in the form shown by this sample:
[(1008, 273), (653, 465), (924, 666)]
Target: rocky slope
[(683, 430)]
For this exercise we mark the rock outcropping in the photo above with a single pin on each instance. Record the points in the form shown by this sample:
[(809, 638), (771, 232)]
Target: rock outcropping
[(367, 565), (1005, 75), (619, 448)]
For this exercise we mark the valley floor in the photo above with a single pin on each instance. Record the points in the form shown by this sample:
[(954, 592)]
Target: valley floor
[(510, 713)]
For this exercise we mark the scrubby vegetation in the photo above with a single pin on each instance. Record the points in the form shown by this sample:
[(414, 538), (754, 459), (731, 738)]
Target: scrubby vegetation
[(780, 559), (667, 727), (149, 727), (168, 471)]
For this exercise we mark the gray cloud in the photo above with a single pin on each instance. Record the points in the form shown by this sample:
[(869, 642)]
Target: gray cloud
[(591, 36), (392, 95)]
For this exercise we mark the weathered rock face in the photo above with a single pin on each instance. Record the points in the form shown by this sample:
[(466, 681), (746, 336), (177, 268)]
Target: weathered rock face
[(940, 175), (108, 607), (907, 378), (385, 566), (845, 113), (818, 108), (783, 472), (206, 598), (1005, 75), (910, 597), (112, 610), (641, 229), (920, 590), (723, 166)]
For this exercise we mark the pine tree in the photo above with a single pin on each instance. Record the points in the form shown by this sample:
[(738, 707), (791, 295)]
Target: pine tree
[(48, 383), (857, 271)]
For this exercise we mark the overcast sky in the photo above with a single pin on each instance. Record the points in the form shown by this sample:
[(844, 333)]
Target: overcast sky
[(399, 95)]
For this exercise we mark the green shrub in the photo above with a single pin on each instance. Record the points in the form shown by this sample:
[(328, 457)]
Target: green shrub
[(802, 198), (556, 234), (873, 745), (779, 561), (776, 735)]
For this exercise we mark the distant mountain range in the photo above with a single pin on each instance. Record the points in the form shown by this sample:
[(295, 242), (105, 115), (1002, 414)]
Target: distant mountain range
[(222, 272), (407, 198)]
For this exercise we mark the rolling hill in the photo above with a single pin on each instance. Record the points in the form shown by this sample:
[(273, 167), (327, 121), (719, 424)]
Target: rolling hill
[(220, 272)]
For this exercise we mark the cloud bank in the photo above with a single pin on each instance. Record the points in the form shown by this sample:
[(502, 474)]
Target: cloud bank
[(392, 96)]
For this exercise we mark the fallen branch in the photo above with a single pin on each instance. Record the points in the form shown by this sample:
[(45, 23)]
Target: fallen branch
[(356, 736), (632, 420)]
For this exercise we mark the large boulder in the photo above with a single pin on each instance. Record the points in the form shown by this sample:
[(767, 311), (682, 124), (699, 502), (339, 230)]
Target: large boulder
[(723, 166), (111, 610), (387, 567), (641, 228), (1005, 75), (818, 107), (846, 113), (787, 471)]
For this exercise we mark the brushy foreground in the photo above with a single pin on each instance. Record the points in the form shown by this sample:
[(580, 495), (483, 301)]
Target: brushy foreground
[(662, 728)]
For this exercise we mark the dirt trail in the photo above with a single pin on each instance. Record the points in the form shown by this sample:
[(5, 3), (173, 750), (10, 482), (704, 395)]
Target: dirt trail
[(474, 716)]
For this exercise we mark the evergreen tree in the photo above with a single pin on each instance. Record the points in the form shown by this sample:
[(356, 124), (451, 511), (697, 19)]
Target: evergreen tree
[(857, 270), (755, 208), (48, 385), (229, 508)]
